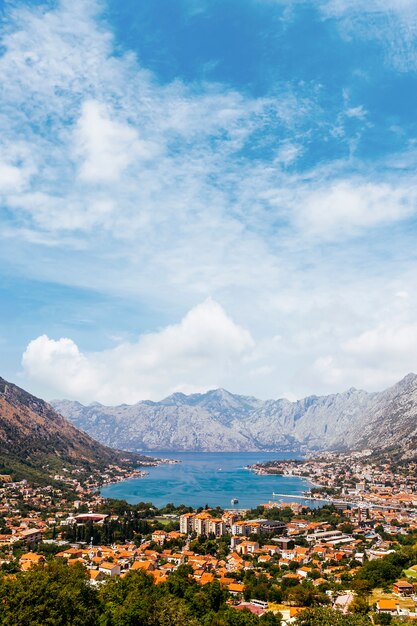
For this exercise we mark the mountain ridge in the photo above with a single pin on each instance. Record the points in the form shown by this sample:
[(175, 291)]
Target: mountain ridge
[(221, 421)]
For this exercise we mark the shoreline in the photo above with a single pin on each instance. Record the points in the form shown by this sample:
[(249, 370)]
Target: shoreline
[(133, 474)]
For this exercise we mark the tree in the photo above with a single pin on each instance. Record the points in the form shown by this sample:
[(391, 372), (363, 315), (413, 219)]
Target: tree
[(328, 617), (56, 595), (360, 605), (383, 572), (384, 619), (172, 612)]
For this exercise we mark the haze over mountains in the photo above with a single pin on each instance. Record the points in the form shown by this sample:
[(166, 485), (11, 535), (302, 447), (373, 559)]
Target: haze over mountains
[(222, 421)]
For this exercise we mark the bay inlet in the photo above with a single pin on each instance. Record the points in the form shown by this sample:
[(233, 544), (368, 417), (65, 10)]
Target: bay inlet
[(212, 478)]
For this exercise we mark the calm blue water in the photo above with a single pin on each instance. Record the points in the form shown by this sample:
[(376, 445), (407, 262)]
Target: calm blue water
[(198, 481)]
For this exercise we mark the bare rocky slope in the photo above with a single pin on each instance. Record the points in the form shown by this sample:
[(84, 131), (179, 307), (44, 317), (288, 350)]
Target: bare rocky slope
[(221, 421), (34, 439), (392, 423)]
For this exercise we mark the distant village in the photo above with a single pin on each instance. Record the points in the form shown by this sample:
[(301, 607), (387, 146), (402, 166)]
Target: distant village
[(275, 558)]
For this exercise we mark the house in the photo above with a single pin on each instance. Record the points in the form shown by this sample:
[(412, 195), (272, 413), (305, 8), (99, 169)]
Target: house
[(110, 569), (387, 606), (343, 602), (285, 543), (403, 588), (304, 571), (236, 588), (71, 553), (292, 576), (28, 560), (264, 558), (31, 536), (96, 576), (168, 568), (159, 537), (206, 578), (288, 613), (234, 562), (176, 558), (378, 553), (159, 577), (247, 547), (249, 606), (145, 566)]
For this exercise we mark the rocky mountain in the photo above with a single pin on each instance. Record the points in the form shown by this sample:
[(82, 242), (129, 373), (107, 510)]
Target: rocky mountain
[(34, 437), (220, 421), (392, 423), (179, 422)]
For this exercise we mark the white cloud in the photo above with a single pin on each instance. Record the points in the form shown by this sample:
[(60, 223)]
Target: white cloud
[(288, 153), (107, 147), (196, 354), (373, 360), (46, 362), (347, 207), (396, 345)]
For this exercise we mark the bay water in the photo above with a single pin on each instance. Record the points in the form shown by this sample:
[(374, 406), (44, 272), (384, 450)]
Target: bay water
[(211, 478)]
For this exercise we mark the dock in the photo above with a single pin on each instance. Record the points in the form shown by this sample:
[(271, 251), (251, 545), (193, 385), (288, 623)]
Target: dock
[(360, 505)]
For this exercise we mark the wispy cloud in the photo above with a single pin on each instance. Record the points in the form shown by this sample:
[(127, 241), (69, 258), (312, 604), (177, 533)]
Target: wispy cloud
[(392, 23)]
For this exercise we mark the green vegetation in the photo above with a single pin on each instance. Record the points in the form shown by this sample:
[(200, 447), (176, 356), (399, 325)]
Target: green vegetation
[(383, 572), (327, 617), (58, 595)]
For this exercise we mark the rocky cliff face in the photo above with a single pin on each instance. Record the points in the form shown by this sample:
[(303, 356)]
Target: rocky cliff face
[(392, 422), (177, 423), (315, 422), (220, 421)]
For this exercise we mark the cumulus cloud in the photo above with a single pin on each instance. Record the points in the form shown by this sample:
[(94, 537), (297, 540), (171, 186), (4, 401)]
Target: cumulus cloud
[(193, 355)]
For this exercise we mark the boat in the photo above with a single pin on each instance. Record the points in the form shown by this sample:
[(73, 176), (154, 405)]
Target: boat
[(234, 501)]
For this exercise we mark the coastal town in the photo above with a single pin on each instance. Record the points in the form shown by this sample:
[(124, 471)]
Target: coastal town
[(354, 479), (353, 554)]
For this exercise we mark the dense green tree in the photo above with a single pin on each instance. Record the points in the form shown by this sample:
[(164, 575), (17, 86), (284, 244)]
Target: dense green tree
[(328, 617), (56, 595), (383, 572)]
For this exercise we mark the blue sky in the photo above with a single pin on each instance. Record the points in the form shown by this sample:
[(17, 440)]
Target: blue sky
[(207, 193)]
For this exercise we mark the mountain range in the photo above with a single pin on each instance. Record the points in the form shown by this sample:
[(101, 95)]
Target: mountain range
[(36, 442), (222, 421)]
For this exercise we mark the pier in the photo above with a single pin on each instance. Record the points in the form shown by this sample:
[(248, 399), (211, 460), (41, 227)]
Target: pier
[(359, 505)]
